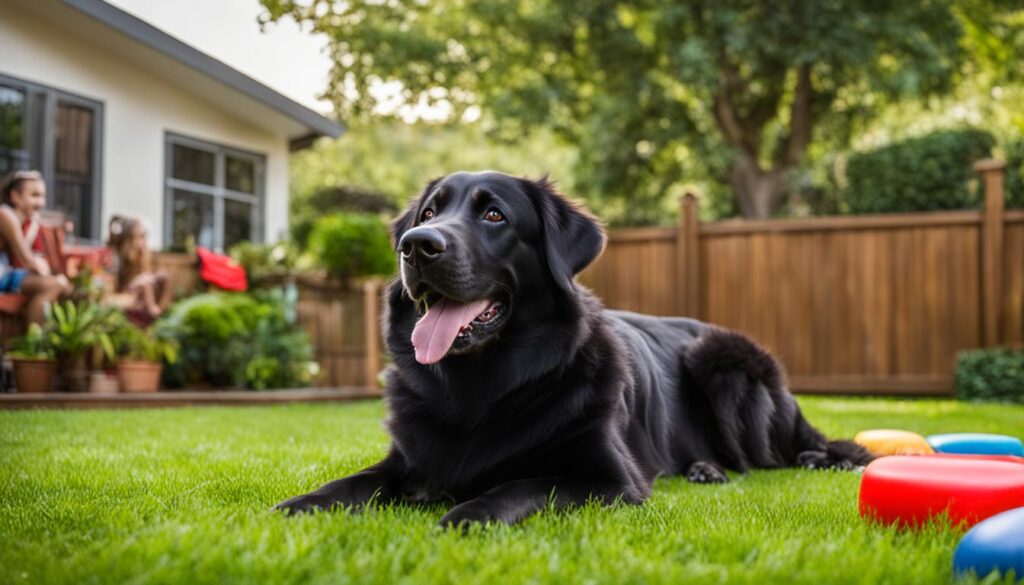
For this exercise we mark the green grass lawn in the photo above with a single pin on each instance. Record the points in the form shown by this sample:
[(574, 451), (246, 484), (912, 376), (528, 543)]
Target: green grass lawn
[(184, 496)]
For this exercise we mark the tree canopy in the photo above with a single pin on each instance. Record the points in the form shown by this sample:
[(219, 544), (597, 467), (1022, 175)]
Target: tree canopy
[(654, 93)]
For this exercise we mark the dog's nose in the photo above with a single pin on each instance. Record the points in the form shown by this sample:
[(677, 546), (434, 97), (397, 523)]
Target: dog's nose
[(422, 244)]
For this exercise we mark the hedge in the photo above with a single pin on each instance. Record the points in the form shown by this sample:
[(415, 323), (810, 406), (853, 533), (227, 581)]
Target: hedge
[(990, 374), (930, 172), (351, 245), (1014, 152)]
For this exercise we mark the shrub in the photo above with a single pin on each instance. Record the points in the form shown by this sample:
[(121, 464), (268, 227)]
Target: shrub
[(341, 198), (990, 374), (237, 339), (264, 262), (349, 245), (1014, 152), (930, 172)]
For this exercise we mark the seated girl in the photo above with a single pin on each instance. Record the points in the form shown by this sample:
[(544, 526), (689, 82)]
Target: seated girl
[(24, 194), (129, 238)]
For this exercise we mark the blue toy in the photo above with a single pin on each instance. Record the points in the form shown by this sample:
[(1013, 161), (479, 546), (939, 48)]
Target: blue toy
[(976, 444), (995, 544)]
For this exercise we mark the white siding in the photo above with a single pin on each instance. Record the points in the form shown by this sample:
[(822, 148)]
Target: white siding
[(139, 107)]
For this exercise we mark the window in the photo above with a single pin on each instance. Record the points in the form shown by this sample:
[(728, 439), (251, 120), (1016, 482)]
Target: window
[(214, 194), (59, 134)]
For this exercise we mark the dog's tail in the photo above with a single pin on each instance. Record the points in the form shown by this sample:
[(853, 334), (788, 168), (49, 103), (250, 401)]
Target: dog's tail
[(758, 421)]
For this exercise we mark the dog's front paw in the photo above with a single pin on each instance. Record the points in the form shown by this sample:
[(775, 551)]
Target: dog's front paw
[(464, 515), (822, 460), (704, 472), (305, 504)]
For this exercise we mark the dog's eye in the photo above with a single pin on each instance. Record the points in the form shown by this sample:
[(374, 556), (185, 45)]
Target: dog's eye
[(427, 214), (494, 215)]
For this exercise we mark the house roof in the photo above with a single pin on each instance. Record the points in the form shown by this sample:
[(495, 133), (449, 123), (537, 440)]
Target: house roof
[(194, 59)]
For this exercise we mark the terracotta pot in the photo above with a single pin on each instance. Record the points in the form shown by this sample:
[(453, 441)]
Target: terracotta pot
[(139, 375), (102, 382), (34, 374), (75, 375)]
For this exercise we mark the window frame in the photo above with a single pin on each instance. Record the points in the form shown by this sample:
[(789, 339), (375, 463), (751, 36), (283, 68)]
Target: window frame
[(218, 191), (45, 150)]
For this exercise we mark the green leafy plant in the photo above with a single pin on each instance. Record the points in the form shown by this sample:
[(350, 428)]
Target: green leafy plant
[(34, 344), (995, 374), (266, 262), (236, 339), (350, 245), (153, 344), (74, 329), (306, 210), (927, 173)]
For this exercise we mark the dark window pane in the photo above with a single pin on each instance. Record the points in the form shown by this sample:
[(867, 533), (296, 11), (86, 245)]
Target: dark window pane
[(241, 174), (237, 222), (192, 215), (192, 164), (12, 130), (73, 163)]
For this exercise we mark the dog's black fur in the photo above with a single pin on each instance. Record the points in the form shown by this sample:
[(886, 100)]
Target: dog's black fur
[(561, 401)]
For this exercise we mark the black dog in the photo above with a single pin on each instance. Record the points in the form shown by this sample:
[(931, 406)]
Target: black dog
[(513, 388)]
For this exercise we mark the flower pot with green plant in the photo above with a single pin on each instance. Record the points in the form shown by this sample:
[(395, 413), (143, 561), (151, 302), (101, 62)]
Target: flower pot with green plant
[(76, 332), (144, 352), (34, 362)]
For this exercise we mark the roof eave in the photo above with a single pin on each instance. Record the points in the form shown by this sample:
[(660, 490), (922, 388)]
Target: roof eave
[(187, 55)]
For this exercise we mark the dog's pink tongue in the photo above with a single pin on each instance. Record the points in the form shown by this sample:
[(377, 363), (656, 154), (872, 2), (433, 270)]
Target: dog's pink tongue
[(436, 331)]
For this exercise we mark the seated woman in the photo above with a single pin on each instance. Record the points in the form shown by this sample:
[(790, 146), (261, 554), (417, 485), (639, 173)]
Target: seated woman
[(129, 238), (24, 194)]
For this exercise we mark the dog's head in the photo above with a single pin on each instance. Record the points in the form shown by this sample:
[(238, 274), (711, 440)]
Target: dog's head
[(474, 248)]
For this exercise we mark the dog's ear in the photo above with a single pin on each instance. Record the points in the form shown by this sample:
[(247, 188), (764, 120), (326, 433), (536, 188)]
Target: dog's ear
[(572, 237), (407, 218)]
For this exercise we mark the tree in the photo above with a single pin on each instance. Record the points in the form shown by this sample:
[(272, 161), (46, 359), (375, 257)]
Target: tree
[(651, 92)]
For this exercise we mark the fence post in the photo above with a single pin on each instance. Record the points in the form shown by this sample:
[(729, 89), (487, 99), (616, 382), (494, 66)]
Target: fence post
[(371, 331), (992, 174), (687, 258)]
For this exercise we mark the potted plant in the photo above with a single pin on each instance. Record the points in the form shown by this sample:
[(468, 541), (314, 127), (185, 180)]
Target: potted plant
[(142, 361), (73, 331), (34, 362)]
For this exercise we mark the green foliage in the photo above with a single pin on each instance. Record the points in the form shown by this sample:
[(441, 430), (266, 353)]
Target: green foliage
[(1014, 156), (237, 339), (927, 173), (394, 160), (351, 245), (265, 262), (990, 375), (73, 329), (153, 344), (34, 344), (306, 211), (651, 92)]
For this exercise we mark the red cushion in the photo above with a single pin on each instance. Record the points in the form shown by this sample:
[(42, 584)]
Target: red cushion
[(12, 303)]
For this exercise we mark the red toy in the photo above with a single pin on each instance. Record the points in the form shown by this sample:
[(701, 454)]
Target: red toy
[(909, 490)]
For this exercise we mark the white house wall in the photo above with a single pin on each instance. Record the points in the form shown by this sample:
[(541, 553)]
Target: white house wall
[(139, 107)]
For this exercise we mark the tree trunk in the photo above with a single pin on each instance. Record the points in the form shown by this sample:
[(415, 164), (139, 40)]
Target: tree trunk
[(758, 192)]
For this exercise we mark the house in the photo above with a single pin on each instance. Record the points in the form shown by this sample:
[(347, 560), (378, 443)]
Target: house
[(123, 118)]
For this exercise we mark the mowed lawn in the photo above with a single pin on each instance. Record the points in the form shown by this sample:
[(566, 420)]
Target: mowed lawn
[(184, 496)]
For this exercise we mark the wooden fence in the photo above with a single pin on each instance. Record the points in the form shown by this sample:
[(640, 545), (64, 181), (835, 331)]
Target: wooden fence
[(851, 304), (874, 304)]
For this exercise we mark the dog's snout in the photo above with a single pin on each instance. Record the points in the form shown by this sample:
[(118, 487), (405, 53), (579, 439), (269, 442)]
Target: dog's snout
[(422, 244)]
